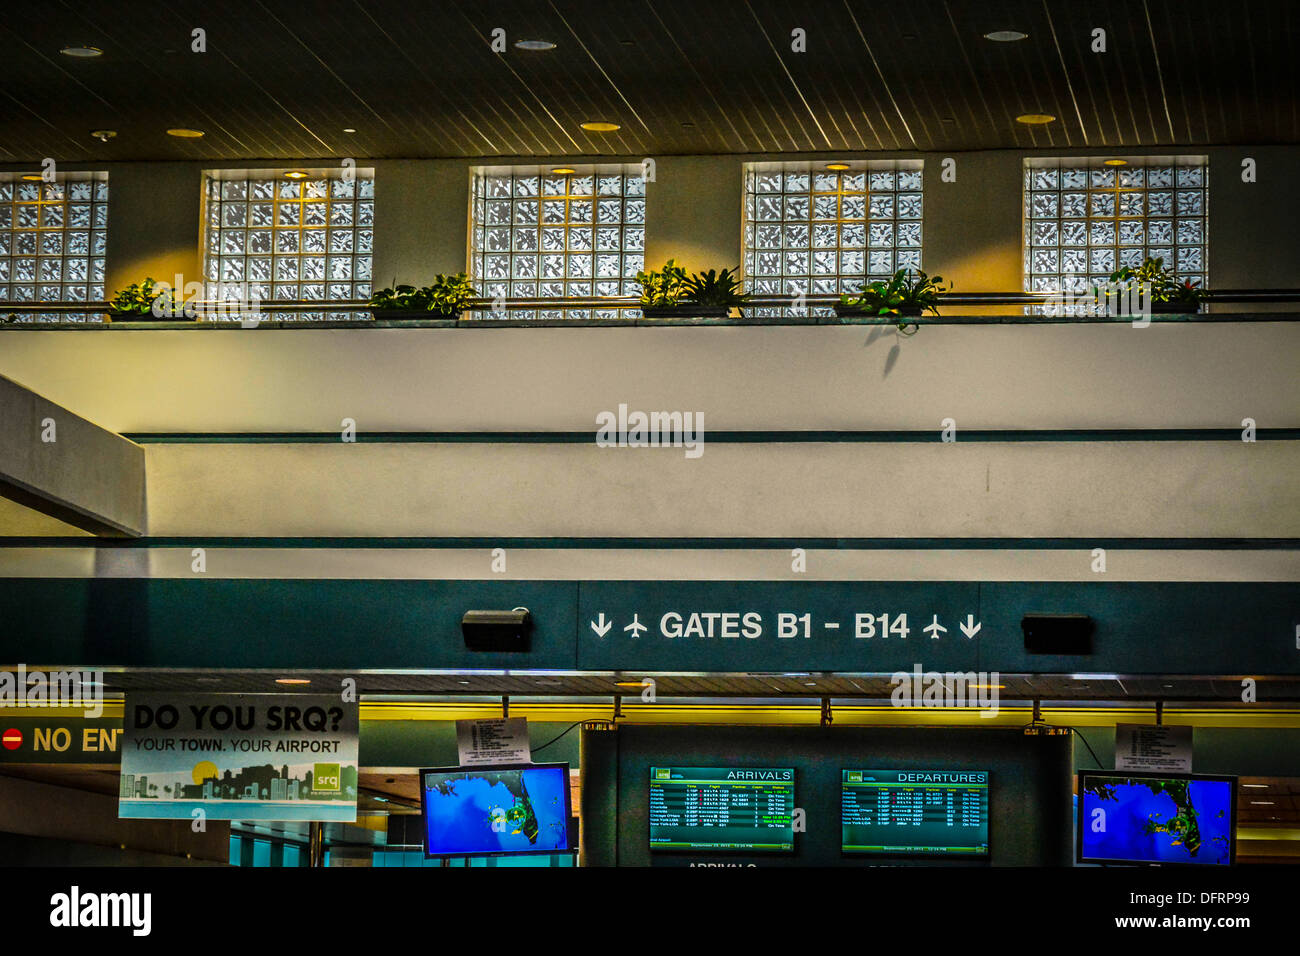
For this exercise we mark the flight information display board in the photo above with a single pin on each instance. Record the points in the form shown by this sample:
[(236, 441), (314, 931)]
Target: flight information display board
[(915, 812), (722, 808)]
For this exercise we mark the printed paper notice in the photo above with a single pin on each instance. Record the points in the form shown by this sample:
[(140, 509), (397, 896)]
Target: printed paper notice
[(496, 740), (1153, 747)]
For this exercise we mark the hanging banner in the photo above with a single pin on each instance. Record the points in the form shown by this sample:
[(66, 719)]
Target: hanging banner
[(239, 757)]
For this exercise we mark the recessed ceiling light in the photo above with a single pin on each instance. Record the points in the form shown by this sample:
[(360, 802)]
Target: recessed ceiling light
[(84, 52), (185, 133), (292, 680), (534, 45), (1261, 803), (627, 42), (348, 129), (1005, 36), (1117, 162), (1256, 786), (837, 166), (295, 174), (629, 683), (563, 171), (103, 135), (600, 127), (1035, 119), (32, 177)]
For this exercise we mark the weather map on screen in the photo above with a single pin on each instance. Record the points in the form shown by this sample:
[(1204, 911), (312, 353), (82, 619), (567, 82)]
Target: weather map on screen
[(496, 810), (1156, 819)]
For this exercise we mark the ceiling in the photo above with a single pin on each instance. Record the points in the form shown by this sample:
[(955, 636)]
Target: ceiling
[(807, 687), (679, 76)]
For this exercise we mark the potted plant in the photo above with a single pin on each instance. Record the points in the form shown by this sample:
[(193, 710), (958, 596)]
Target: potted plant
[(714, 293), (906, 294), (1167, 294), (661, 289), (446, 298), (136, 303)]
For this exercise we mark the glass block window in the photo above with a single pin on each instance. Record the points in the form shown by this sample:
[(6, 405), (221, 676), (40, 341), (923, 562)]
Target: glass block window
[(817, 231), (1084, 220), (538, 234), (284, 239), (52, 241)]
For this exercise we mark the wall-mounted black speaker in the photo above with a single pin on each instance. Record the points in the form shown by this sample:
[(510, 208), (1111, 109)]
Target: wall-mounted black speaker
[(497, 630), (1057, 633)]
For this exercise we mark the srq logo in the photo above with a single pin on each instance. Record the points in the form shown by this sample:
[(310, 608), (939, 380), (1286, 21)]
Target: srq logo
[(325, 776)]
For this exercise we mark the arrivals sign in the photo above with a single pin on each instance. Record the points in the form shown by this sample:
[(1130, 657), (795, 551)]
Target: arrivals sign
[(239, 757)]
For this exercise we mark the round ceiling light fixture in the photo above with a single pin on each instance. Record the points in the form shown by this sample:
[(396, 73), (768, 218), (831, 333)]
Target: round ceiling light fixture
[(597, 126), (82, 52), (1117, 162), (538, 45), (1005, 36), (348, 129), (103, 135), (563, 171), (32, 177), (182, 132), (837, 167), (1035, 119), (295, 174), (292, 680)]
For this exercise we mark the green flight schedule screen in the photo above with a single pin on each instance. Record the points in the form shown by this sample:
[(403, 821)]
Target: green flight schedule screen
[(722, 808), (939, 812)]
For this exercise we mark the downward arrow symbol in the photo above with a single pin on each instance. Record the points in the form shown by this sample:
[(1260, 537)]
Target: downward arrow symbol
[(604, 627), (970, 627)]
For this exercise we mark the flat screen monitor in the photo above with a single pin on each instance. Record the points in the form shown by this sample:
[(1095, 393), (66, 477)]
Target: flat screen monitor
[(496, 810), (720, 809), (915, 812), (1157, 818)]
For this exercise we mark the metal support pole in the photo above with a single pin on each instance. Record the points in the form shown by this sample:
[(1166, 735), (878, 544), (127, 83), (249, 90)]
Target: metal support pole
[(505, 706), (1160, 712), (827, 716), (316, 845)]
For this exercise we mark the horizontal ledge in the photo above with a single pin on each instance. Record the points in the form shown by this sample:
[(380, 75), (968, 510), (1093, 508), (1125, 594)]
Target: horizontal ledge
[(721, 437), (675, 321), (816, 543)]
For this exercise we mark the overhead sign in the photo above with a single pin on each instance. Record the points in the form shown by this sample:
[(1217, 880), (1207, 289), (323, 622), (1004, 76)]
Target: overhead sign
[(722, 625), (494, 740), (1153, 747), (239, 757), (56, 739)]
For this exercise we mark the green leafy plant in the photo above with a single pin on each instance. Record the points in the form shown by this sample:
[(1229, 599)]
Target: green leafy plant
[(136, 298), (714, 289), (1163, 284), (662, 287), (449, 295), (906, 292)]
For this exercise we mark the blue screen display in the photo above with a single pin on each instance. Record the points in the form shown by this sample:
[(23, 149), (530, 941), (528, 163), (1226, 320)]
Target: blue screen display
[(486, 810), (1153, 819)]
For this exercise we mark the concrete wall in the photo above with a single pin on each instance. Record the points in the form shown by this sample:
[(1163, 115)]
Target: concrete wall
[(979, 489), (1172, 375)]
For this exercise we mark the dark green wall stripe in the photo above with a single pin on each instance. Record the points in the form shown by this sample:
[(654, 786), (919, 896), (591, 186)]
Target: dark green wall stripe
[(842, 544), (729, 437)]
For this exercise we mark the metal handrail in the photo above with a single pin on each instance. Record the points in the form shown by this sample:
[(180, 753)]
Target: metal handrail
[(628, 302)]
